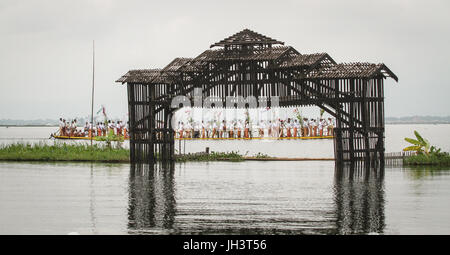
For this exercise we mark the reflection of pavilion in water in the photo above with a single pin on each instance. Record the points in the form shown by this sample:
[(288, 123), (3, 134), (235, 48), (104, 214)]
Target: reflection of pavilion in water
[(358, 206), (152, 202), (359, 200)]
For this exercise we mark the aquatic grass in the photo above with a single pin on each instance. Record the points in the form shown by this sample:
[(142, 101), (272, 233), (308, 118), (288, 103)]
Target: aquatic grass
[(62, 152), (213, 156), (96, 153), (434, 159)]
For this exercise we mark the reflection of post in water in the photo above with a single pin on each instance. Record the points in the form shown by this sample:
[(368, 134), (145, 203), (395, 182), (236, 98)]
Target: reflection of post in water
[(92, 201), (359, 198), (151, 202)]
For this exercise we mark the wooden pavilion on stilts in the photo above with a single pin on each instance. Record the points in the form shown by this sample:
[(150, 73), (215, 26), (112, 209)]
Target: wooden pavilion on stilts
[(251, 65)]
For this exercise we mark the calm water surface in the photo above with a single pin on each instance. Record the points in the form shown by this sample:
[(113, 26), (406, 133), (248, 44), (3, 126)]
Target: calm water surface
[(221, 197)]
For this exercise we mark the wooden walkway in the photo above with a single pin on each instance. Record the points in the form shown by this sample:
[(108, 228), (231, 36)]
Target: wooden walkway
[(396, 158)]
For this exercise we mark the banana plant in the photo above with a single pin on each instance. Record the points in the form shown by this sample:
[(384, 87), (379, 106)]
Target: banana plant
[(420, 145)]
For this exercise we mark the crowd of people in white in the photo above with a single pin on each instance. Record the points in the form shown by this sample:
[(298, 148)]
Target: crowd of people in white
[(243, 129), (71, 129), (236, 128)]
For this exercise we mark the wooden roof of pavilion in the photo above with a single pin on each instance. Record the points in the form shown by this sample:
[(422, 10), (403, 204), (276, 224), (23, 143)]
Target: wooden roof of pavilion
[(319, 65), (146, 76), (246, 37), (352, 70), (253, 54)]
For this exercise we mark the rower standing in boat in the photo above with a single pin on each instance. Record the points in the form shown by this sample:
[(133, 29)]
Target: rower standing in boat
[(320, 127), (305, 129), (104, 128), (72, 128), (90, 130), (99, 128), (315, 127), (180, 130), (296, 128), (214, 129), (261, 128), (288, 128), (222, 128), (325, 126), (61, 125), (115, 127), (276, 127), (64, 128), (119, 128), (188, 129), (126, 131), (208, 129), (311, 127), (86, 129), (203, 130), (330, 129), (122, 128), (246, 130), (196, 130), (230, 129)]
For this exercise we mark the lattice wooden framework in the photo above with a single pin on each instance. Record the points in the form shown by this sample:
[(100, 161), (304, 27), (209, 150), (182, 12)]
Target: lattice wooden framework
[(250, 64)]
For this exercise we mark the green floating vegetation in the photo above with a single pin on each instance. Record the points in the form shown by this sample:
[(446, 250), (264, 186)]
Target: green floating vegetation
[(213, 156), (63, 152), (96, 153), (426, 153), (434, 159)]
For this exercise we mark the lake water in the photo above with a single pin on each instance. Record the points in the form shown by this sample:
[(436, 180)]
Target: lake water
[(221, 198), (291, 197)]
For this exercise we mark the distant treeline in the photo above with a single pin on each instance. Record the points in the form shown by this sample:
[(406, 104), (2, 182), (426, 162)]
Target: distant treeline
[(38, 122), (389, 120), (418, 120)]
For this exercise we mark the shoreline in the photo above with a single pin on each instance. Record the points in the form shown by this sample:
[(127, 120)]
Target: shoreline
[(128, 161)]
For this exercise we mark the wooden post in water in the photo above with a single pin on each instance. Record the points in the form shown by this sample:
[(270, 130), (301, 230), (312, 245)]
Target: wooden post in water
[(92, 99)]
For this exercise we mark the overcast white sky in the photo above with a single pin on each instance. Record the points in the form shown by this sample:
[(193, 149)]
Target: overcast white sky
[(46, 46)]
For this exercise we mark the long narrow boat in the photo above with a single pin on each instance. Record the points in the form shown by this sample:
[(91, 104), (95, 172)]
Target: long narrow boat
[(74, 137), (253, 138), (262, 138)]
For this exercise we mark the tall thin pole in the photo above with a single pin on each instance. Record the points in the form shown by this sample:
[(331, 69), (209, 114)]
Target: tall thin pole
[(92, 99)]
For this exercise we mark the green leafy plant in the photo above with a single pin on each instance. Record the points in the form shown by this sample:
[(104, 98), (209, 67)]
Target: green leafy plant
[(420, 145)]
